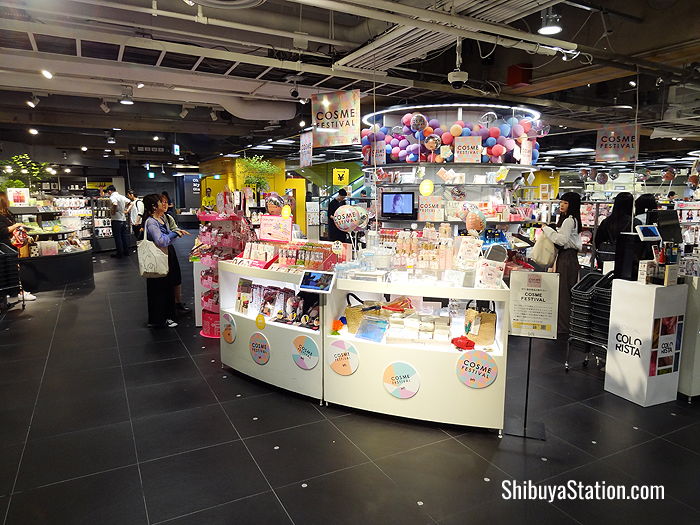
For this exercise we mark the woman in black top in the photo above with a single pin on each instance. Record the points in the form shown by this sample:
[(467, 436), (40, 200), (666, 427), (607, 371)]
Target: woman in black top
[(618, 221), (8, 226)]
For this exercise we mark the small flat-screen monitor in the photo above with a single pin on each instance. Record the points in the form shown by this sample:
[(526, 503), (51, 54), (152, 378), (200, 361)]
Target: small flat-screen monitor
[(398, 205), (667, 221), (317, 282)]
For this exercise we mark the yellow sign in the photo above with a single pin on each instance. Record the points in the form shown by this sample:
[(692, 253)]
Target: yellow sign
[(260, 322), (286, 211), (337, 247), (341, 176), (426, 187)]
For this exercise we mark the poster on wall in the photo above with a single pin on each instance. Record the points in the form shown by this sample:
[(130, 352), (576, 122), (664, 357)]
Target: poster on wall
[(534, 304), (431, 208), (617, 144), (306, 149), (275, 228), (336, 118), (468, 149)]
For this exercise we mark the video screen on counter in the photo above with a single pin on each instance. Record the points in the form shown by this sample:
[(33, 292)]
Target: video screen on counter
[(397, 203), (319, 282)]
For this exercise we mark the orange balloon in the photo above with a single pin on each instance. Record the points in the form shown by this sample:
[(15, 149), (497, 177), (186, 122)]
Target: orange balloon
[(439, 159), (428, 131)]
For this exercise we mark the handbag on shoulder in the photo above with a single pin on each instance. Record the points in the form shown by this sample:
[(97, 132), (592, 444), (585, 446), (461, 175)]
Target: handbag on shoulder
[(153, 261)]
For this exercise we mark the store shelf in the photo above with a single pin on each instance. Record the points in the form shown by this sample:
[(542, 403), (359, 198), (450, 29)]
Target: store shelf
[(422, 289), (444, 347), (270, 275), (51, 233), (269, 322)]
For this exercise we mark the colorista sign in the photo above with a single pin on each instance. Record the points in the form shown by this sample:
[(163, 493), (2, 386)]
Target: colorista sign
[(628, 344), (336, 118), (617, 143)]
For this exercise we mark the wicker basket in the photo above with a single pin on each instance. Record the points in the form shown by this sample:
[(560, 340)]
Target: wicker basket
[(355, 314)]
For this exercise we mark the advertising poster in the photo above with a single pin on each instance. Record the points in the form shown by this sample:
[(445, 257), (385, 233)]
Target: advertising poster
[(401, 380), (343, 358), (534, 304), (275, 228), (617, 144), (477, 369), (341, 176), (468, 149), (526, 153), (431, 208), (18, 196), (306, 149), (336, 118), (304, 352)]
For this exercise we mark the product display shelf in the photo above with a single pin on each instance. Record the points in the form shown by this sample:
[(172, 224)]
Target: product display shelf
[(280, 369), (441, 396)]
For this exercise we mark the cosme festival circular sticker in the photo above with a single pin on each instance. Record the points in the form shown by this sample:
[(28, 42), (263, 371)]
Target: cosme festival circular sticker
[(476, 369), (343, 358), (259, 348), (228, 330), (401, 380), (305, 352)]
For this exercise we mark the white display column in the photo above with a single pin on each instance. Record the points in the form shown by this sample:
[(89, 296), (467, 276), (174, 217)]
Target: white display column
[(689, 379), (644, 346)]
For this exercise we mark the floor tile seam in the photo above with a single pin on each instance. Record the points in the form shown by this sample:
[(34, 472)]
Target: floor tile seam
[(245, 445), (160, 383), (198, 511), (196, 449), (565, 513), (278, 430), (168, 413), (563, 395), (154, 360), (75, 431), (482, 457), (617, 418), (696, 453), (131, 421), (31, 418), (75, 478)]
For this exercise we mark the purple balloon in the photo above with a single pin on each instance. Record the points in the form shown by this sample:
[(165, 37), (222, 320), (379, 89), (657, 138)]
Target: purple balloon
[(413, 148), (518, 130), (438, 131), (501, 140), (403, 144), (510, 144), (496, 160), (469, 126), (402, 154), (379, 136), (483, 133), (371, 137), (434, 123), (394, 143), (407, 130)]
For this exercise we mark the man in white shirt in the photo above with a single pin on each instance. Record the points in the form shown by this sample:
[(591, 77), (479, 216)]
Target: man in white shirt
[(136, 213), (121, 206)]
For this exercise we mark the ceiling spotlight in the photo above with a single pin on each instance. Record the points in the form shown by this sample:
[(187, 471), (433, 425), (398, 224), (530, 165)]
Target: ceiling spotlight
[(140, 85), (47, 74), (213, 115), (104, 106), (83, 148), (116, 129), (294, 92), (66, 170), (156, 138), (632, 83), (105, 156), (303, 101), (551, 22), (33, 131), (111, 139), (33, 102), (108, 150), (189, 2), (127, 97), (302, 123), (65, 155), (184, 112)]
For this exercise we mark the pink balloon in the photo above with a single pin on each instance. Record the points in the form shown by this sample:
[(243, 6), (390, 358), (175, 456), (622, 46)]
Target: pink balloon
[(498, 150), (501, 140), (395, 151), (406, 120), (394, 142), (447, 138), (494, 132), (496, 160), (510, 144), (526, 124), (365, 132), (460, 123), (518, 130)]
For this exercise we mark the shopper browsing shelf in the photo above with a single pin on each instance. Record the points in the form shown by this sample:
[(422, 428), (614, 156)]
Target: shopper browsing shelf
[(619, 220), (643, 205), (567, 238), (173, 262), (120, 208), (160, 291), (334, 233), (8, 228)]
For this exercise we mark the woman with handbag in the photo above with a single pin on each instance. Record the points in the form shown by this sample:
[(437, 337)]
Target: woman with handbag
[(11, 230), (160, 291), (567, 238), (173, 262)]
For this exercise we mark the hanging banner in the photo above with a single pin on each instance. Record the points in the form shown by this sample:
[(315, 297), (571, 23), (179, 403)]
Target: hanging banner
[(306, 149), (617, 144), (336, 118), (534, 304), (526, 153), (377, 154), (468, 149), (341, 176)]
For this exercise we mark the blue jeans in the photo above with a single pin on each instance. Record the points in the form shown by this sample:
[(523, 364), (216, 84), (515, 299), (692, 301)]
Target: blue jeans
[(121, 237)]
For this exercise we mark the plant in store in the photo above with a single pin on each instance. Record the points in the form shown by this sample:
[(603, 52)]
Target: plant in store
[(21, 168), (257, 171)]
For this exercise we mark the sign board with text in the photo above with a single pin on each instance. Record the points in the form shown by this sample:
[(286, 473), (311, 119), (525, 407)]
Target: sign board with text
[(275, 228), (306, 149), (336, 118), (617, 144), (534, 304), (468, 149), (341, 176)]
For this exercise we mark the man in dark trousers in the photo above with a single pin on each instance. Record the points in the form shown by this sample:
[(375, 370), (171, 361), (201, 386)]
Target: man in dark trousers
[(334, 234), (120, 209)]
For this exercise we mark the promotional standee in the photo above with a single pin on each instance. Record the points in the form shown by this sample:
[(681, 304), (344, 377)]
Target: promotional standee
[(644, 349)]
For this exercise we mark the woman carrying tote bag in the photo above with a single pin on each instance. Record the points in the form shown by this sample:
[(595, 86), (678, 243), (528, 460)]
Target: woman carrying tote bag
[(567, 238), (160, 291)]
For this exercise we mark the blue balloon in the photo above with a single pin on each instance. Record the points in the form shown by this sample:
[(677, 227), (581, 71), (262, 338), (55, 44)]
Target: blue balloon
[(537, 145), (413, 157), (419, 136), (490, 142), (512, 121), (505, 130), (466, 132), (535, 155), (388, 149), (365, 141), (485, 158), (384, 130)]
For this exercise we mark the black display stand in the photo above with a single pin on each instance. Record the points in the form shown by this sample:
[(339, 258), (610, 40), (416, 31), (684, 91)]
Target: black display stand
[(533, 429), (52, 272)]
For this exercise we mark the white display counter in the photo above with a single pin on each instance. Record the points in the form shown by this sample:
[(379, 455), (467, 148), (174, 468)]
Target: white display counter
[(420, 380), (689, 379), (644, 346)]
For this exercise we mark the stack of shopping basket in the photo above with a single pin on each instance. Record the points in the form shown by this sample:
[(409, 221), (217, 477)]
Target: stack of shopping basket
[(600, 314), (582, 306), (9, 275)]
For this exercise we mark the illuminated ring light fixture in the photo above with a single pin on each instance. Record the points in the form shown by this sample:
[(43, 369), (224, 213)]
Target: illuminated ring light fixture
[(695, 153), (526, 112)]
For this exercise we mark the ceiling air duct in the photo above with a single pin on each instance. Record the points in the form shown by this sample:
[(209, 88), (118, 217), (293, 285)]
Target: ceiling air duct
[(229, 4)]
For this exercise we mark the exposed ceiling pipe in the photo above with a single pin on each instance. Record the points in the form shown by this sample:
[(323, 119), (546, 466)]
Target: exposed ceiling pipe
[(432, 26), (250, 27), (230, 4)]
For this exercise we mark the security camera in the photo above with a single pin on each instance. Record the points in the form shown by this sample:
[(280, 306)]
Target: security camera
[(457, 78), (294, 93)]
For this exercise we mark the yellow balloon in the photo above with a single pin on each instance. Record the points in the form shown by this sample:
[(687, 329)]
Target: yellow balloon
[(260, 321), (286, 211), (426, 187)]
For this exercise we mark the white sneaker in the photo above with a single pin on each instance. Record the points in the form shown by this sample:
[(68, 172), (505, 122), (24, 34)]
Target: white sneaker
[(170, 323), (27, 296)]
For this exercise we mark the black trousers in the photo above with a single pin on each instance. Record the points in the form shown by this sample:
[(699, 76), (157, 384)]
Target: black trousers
[(161, 292), (568, 269), (121, 237)]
